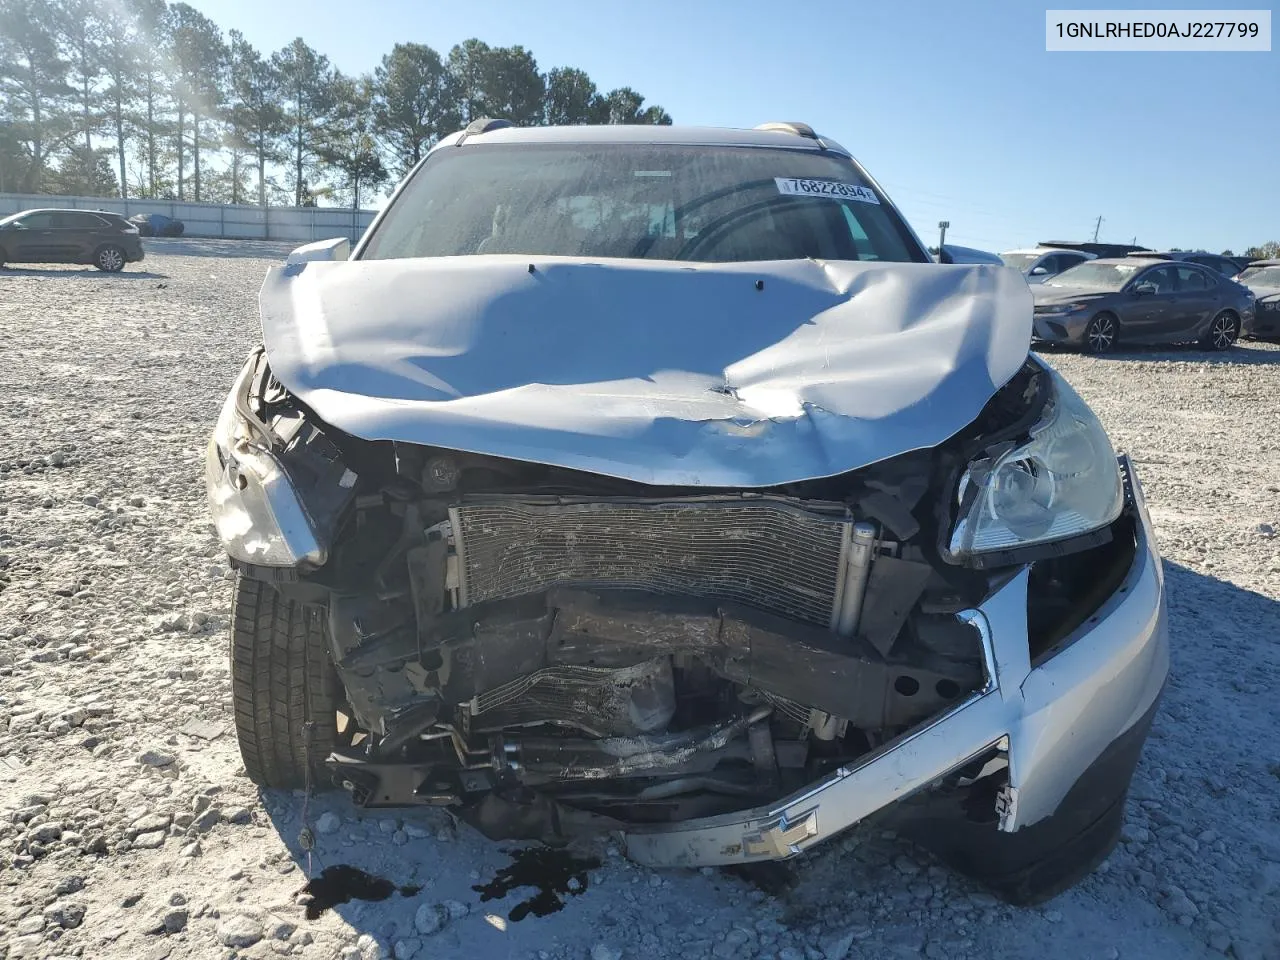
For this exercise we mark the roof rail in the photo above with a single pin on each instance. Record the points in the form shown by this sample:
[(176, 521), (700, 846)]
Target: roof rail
[(483, 125), (790, 126)]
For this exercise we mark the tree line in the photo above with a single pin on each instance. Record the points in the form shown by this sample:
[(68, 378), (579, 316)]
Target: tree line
[(149, 99)]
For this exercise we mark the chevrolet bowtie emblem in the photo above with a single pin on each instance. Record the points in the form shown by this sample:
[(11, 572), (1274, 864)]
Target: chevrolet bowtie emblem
[(782, 838)]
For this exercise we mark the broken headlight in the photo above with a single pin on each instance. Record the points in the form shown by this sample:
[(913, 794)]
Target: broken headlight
[(1061, 483), (256, 508)]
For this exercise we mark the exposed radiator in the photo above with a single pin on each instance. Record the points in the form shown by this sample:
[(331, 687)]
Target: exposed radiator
[(771, 553)]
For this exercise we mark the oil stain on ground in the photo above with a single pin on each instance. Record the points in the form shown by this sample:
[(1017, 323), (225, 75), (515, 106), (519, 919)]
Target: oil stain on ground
[(555, 874), (342, 884)]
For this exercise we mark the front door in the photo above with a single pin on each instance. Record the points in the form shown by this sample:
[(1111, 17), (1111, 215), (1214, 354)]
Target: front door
[(1152, 313), (32, 239)]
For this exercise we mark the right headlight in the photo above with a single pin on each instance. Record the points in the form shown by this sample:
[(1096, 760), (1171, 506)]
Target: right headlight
[(1063, 482)]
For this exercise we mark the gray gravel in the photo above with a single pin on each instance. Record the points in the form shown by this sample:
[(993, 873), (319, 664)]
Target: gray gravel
[(127, 827)]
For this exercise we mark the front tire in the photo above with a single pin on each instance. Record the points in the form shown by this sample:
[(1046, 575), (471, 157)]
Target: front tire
[(109, 259), (281, 680), (1101, 334), (1223, 332)]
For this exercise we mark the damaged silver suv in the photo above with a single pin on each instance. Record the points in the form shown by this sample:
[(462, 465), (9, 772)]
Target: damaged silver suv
[(653, 480)]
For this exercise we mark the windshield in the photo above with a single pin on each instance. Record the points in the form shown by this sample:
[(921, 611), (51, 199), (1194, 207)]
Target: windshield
[(1261, 276), (10, 218), (1101, 276), (649, 201), (1019, 261)]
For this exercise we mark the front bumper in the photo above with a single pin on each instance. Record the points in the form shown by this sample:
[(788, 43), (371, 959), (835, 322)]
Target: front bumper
[(1060, 327), (1052, 724)]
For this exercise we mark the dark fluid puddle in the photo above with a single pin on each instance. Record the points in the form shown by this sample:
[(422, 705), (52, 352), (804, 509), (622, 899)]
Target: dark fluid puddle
[(555, 874), (774, 878), (342, 884)]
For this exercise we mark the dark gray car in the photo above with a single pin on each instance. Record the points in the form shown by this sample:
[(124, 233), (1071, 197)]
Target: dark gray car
[(105, 240), (1141, 300)]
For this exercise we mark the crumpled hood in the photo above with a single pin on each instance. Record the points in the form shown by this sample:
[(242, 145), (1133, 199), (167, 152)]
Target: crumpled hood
[(724, 375)]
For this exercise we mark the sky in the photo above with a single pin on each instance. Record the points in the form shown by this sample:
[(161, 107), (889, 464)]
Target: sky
[(954, 107)]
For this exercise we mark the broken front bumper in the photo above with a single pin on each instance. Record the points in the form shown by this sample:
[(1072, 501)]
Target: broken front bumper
[(1053, 724)]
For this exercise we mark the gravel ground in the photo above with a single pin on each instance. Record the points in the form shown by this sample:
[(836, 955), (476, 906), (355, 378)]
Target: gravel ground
[(127, 827)]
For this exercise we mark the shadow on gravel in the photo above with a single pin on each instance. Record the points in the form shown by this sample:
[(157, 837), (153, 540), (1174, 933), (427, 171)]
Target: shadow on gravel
[(1246, 353), (405, 874), (214, 247), (125, 274)]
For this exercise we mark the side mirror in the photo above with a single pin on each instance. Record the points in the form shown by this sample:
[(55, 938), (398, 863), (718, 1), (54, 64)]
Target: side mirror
[(1143, 289), (339, 248), (1041, 271)]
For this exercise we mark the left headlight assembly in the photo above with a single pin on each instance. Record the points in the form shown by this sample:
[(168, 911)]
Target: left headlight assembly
[(256, 509), (1060, 309), (1060, 484)]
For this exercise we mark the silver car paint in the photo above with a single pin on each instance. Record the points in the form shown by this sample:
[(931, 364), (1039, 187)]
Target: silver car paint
[(742, 374), (1053, 721)]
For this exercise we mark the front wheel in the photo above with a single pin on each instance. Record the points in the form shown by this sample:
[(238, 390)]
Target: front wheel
[(283, 686), (1101, 334), (1223, 332), (109, 259)]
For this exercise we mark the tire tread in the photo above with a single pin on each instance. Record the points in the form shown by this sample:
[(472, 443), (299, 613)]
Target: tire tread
[(281, 678)]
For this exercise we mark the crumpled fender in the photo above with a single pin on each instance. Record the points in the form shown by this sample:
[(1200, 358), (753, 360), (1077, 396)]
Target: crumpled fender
[(719, 375)]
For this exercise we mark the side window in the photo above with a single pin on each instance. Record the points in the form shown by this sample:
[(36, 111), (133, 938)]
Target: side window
[(1051, 264), (1069, 260), (38, 221), (1162, 278), (1191, 279), (77, 221)]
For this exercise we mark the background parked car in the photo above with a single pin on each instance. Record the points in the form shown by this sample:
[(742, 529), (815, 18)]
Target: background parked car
[(106, 240), (157, 225), (1227, 266), (1141, 300), (1262, 277), (1037, 264), (1094, 247)]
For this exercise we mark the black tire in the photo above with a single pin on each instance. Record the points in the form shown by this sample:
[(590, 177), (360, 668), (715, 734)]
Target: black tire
[(109, 258), (1101, 334), (1223, 332), (281, 680)]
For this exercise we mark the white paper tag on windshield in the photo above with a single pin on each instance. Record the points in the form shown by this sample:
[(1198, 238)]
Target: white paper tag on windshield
[(795, 187)]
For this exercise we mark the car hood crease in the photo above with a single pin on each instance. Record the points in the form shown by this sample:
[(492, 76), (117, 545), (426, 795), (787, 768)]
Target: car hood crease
[(718, 375)]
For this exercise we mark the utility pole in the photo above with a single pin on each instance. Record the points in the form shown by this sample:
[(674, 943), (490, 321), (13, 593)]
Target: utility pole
[(1096, 227), (942, 237)]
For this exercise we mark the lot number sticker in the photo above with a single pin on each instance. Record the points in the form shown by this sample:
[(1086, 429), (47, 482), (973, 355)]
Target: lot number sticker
[(794, 187)]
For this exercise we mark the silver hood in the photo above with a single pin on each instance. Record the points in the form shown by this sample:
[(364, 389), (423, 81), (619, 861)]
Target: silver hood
[(718, 375)]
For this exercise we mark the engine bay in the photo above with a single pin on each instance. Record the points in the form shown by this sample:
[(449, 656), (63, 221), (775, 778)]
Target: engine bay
[(541, 647)]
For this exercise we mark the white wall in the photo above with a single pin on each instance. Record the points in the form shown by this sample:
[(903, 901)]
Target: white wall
[(301, 224)]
